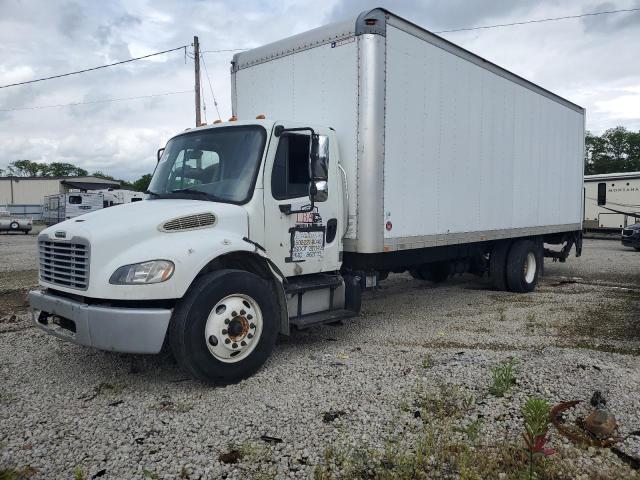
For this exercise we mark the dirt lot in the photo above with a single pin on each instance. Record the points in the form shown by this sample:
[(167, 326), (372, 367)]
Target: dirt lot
[(403, 391)]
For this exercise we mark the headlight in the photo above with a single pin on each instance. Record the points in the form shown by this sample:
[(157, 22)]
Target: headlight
[(154, 271)]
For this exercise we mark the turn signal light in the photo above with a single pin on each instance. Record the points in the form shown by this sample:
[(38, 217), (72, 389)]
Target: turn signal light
[(260, 117), (233, 119)]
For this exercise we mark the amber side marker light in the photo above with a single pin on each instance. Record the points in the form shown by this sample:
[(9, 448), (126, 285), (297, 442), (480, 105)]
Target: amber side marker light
[(215, 122), (260, 117), (233, 119)]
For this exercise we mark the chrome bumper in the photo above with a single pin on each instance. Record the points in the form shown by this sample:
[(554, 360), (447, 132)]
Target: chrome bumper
[(127, 330)]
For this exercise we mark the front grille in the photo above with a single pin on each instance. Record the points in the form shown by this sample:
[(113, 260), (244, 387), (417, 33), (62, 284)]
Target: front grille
[(64, 263), (627, 232), (189, 222)]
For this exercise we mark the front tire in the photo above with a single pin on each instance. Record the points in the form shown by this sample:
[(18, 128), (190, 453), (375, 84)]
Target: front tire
[(524, 266), (14, 226), (225, 327)]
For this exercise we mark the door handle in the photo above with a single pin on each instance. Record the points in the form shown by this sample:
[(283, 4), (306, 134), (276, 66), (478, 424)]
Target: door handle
[(332, 229)]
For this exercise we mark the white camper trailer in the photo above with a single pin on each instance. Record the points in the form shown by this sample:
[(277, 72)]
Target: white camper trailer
[(57, 208), (611, 201), (385, 149), (113, 197)]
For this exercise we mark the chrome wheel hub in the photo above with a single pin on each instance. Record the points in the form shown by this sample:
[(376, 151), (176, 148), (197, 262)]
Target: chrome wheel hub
[(233, 328)]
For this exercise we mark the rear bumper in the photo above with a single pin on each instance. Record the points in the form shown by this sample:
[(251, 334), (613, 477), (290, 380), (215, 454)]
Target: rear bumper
[(128, 330)]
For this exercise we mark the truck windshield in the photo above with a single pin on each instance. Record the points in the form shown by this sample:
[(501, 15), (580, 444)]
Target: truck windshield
[(218, 164)]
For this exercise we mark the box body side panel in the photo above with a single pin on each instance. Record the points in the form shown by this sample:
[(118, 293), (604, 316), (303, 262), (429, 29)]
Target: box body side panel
[(468, 151)]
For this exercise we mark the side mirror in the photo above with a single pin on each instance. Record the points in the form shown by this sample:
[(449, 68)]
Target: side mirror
[(159, 154), (319, 168)]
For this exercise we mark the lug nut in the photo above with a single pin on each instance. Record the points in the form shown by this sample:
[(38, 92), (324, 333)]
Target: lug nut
[(242, 312), (226, 321), (227, 341), (249, 317), (243, 343), (252, 325), (224, 331), (235, 345), (250, 335), (213, 341), (234, 314)]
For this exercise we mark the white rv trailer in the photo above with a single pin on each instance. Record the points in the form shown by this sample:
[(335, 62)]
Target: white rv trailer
[(385, 148), (612, 200), (63, 206), (119, 196)]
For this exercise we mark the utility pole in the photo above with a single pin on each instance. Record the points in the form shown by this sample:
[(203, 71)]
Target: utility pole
[(196, 60)]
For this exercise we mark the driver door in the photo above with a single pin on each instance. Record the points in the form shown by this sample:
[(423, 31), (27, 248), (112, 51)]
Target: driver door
[(300, 243)]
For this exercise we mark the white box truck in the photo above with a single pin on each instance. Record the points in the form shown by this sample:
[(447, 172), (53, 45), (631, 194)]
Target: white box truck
[(385, 149)]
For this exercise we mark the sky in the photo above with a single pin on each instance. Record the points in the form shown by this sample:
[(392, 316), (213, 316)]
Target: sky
[(592, 61)]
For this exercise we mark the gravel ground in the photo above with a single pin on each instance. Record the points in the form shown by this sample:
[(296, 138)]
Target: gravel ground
[(67, 410)]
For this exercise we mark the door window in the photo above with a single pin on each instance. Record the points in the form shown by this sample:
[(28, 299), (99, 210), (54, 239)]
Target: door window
[(290, 176)]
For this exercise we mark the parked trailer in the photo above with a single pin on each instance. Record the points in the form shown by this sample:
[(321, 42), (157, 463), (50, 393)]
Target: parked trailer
[(64, 206), (611, 201), (387, 149)]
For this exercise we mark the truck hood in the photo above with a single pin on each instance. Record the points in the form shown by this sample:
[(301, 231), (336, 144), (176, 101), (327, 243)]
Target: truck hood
[(136, 221), (133, 233)]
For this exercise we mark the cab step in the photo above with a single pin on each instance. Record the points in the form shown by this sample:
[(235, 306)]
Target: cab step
[(319, 318), (312, 282)]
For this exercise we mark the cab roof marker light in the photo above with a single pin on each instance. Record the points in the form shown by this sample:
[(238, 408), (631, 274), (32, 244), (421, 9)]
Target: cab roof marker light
[(260, 117)]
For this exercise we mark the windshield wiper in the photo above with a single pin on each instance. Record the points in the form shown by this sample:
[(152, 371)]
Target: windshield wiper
[(197, 192)]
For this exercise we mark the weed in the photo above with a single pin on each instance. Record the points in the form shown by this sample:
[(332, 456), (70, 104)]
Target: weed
[(150, 474), (426, 361), (78, 473), (502, 316), (503, 378), (449, 401), (17, 473), (535, 413), (472, 430)]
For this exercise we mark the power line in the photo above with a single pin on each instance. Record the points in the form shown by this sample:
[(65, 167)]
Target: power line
[(525, 22), (106, 100), (215, 102), (94, 68)]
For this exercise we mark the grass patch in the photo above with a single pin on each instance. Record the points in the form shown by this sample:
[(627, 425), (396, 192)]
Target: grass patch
[(615, 319), (503, 378), (24, 473), (447, 401)]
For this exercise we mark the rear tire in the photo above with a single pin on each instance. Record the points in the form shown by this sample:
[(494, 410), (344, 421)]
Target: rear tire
[(233, 353), (498, 265), (524, 265), (14, 226)]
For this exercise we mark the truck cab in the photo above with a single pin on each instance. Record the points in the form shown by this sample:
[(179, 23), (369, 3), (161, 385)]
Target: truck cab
[(241, 237)]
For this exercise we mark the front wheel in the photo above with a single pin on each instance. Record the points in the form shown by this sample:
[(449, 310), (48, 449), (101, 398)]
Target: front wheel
[(225, 327)]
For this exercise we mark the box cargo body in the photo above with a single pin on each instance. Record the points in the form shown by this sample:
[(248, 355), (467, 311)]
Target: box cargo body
[(440, 146)]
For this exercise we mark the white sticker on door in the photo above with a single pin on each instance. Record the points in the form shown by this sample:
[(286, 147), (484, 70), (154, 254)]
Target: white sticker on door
[(307, 244)]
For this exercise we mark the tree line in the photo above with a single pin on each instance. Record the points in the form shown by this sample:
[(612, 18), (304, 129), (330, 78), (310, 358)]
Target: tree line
[(29, 168), (617, 150)]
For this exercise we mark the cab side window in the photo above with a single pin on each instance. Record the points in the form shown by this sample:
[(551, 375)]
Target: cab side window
[(290, 176)]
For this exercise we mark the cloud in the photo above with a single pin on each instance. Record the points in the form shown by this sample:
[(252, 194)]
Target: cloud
[(592, 61)]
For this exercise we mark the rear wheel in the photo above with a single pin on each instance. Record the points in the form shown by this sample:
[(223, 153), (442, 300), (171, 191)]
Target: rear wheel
[(225, 327), (498, 265), (524, 265), (14, 226)]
